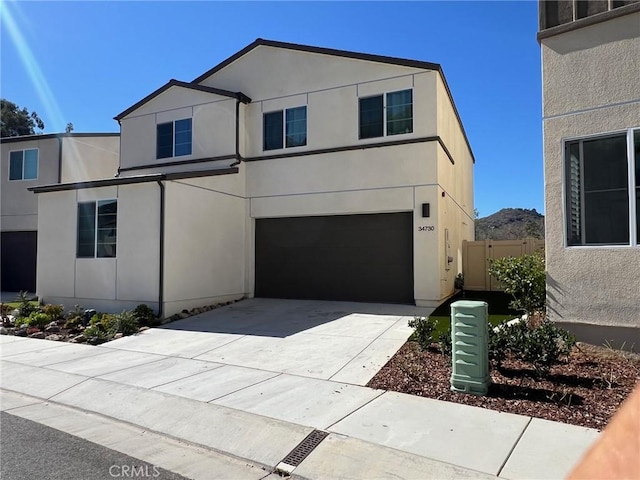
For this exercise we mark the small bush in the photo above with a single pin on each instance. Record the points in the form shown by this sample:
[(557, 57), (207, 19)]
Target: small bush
[(144, 315), (95, 334), (52, 311), (73, 323), (545, 345), (106, 321), (444, 342), (542, 346), (25, 308), (424, 329), (126, 323), (39, 320), (499, 342), (524, 279), (20, 321), (78, 311)]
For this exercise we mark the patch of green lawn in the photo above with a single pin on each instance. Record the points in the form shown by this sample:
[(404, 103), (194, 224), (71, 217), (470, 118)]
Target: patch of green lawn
[(498, 308), (17, 304)]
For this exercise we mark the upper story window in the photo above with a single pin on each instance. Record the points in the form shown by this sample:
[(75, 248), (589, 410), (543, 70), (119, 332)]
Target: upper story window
[(23, 164), (399, 114), (173, 138), (600, 180), (285, 128), (97, 229)]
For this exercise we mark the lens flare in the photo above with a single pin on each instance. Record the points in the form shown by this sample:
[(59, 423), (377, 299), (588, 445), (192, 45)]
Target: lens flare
[(9, 11)]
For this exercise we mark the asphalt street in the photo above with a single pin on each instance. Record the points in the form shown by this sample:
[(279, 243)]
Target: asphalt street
[(29, 450)]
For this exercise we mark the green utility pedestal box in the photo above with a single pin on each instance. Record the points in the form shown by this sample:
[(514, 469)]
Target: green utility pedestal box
[(469, 347)]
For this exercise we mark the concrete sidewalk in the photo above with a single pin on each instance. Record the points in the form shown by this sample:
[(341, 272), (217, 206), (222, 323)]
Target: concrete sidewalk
[(249, 415)]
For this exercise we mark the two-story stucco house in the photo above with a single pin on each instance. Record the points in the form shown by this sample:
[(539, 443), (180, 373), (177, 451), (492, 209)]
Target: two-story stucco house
[(32, 160), (591, 95), (285, 171)]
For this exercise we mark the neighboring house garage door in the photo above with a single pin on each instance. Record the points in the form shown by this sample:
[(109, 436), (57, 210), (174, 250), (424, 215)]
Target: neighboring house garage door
[(18, 253), (367, 258)]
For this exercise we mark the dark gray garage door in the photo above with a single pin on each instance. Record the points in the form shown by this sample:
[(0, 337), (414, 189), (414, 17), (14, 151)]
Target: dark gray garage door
[(18, 261), (366, 258)]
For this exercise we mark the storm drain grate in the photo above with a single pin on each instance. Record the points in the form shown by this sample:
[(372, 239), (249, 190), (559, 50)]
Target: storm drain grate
[(304, 448)]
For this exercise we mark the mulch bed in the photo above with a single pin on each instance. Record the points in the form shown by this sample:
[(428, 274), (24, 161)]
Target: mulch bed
[(586, 389)]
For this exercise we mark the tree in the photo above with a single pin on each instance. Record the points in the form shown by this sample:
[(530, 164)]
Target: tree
[(524, 279), (17, 122)]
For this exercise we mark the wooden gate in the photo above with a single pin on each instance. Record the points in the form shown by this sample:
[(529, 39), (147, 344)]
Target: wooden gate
[(476, 255)]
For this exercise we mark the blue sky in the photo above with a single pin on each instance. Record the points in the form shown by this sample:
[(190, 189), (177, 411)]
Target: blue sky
[(85, 62)]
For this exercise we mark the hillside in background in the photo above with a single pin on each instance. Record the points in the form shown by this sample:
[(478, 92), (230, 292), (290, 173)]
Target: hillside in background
[(510, 224)]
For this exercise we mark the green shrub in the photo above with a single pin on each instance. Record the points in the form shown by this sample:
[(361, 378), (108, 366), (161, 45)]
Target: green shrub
[(423, 331), (144, 315), (52, 311), (542, 346), (444, 341), (73, 322), (21, 321), (25, 308), (95, 334), (126, 323), (37, 319), (545, 345), (499, 342), (78, 311), (524, 279), (106, 321)]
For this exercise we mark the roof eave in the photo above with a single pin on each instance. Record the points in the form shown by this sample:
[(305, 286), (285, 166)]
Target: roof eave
[(177, 83)]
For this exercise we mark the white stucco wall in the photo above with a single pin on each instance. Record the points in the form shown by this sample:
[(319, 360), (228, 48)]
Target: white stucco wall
[(213, 128), (591, 86), (293, 72), (332, 112), (204, 242), (89, 158), (57, 226), (18, 206), (83, 158), (106, 284), (455, 201)]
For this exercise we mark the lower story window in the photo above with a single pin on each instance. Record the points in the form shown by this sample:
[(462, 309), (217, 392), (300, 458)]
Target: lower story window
[(602, 190), (97, 229)]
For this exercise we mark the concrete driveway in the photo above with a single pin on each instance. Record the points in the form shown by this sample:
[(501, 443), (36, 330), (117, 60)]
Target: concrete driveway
[(340, 341), (251, 380)]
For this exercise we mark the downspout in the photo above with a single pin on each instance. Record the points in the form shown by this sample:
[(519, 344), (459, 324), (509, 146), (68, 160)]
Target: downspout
[(238, 161), (161, 259)]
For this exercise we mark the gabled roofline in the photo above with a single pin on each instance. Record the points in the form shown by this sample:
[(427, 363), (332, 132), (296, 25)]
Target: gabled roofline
[(46, 136), (241, 97), (325, 51), (345, 54)]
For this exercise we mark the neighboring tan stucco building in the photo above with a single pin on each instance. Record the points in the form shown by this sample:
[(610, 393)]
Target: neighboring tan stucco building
[(591, 118), (32, 160), (286, 171)]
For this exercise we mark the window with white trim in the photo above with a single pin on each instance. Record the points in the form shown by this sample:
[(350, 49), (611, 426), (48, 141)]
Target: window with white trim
[(173, 139), (602, 189), (97, 229), (285, 128), (399, 114), (23, 164)]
